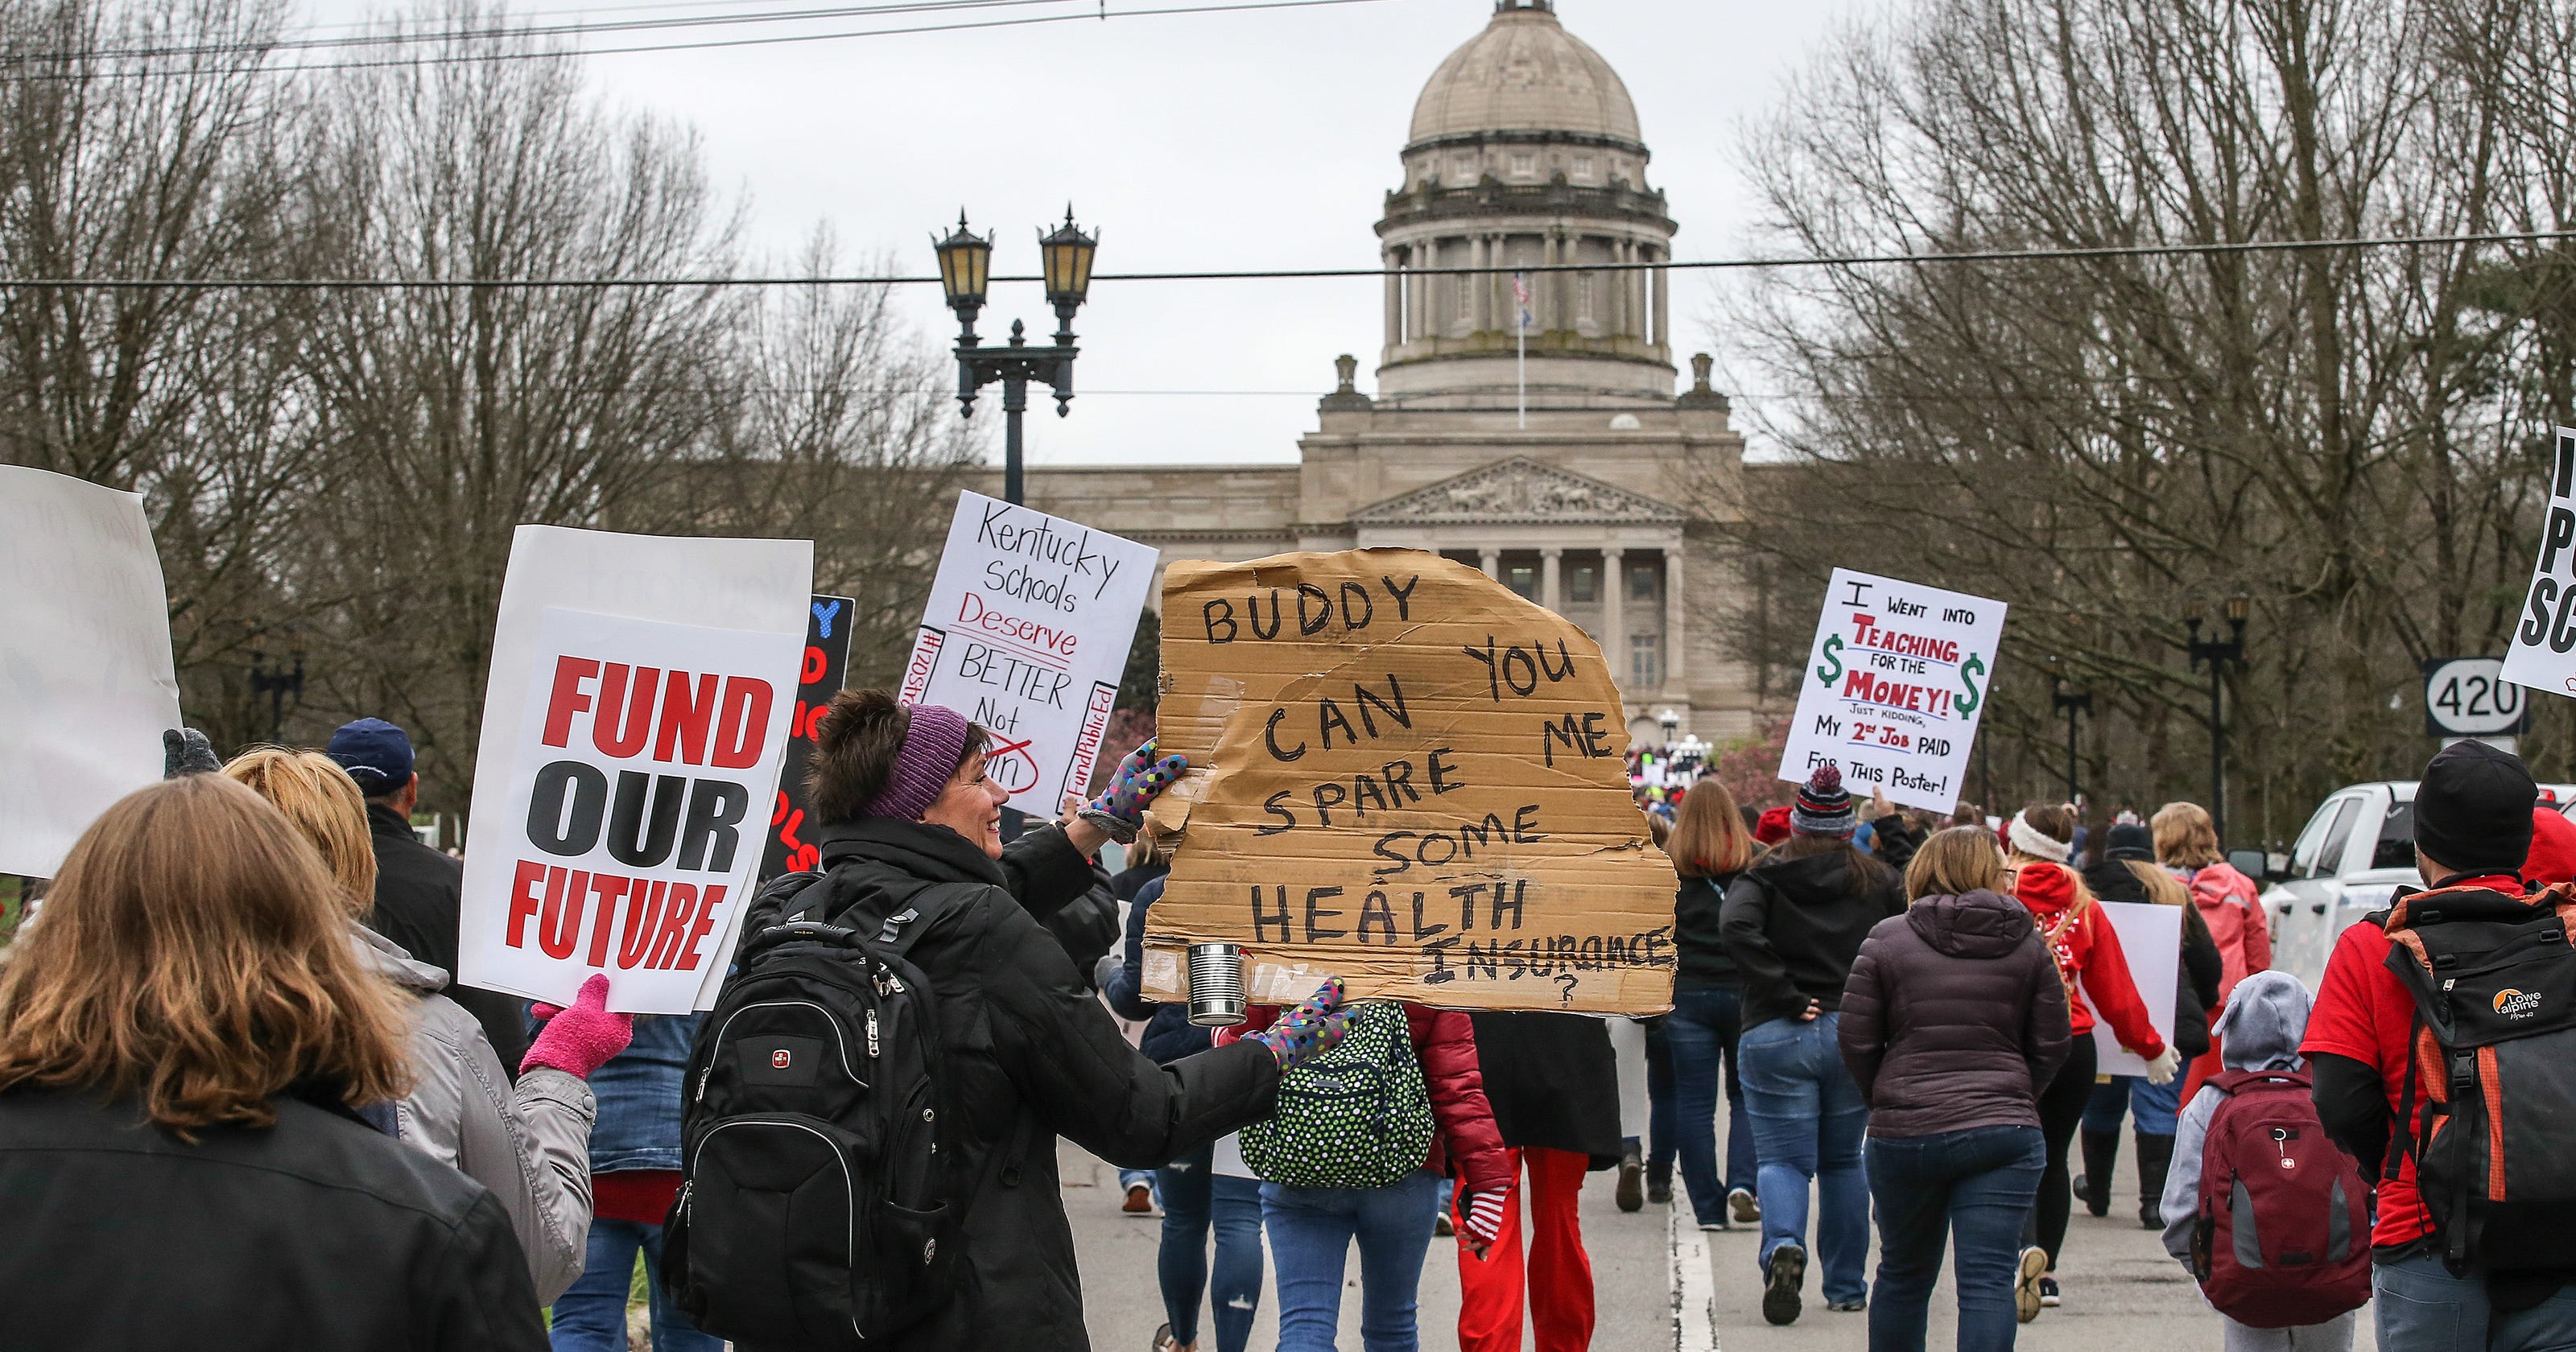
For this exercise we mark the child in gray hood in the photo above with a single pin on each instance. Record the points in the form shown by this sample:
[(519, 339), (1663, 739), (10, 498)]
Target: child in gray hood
[(2266, 1016)]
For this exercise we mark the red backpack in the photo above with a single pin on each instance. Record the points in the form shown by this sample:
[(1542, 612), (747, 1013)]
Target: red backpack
[(2283, 1237)]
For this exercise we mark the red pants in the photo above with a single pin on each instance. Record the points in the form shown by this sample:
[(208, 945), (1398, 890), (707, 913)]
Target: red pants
[(1557, 1276)]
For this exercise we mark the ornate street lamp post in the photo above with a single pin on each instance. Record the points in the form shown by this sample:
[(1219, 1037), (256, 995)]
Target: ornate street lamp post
[(2074, 705), (276, 682), (965, 271), (2219, 653)]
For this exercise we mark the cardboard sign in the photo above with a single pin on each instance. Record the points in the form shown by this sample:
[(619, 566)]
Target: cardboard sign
[(733, 610), (2543, 656), (86, 683), (1405, 775), (2151, 939), (1027, 633), (790, 846), (1895, 683)]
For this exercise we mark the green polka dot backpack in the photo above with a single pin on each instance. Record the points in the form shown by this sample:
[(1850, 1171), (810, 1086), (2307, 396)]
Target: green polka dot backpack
[(1358, 1116)]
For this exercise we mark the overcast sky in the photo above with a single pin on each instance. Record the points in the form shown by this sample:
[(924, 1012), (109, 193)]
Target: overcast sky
[(1263, 139)]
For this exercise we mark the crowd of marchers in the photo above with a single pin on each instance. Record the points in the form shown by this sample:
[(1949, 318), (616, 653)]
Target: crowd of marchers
[(244, 1103)]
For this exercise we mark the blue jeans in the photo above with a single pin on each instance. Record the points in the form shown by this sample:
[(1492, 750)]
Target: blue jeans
[(1702, 1032), (1979, 1183), (591, 1316), (2419, 1304), (1311, 1230), (1808, 1120), (1194, 1201), (2158, 1106)]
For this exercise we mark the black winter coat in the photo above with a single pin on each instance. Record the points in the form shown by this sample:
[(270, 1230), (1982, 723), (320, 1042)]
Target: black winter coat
[(1552, 1081), (1029, 1053), (417, 894), (2196, 984), (1793, 927), (1696, 911), (1954, 1017), (319, 1234)]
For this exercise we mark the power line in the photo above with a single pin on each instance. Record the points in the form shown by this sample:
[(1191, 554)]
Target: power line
[(711, 44), (2113, 251)]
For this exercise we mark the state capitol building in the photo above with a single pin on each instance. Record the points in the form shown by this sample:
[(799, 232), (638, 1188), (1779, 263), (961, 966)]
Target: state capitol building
[(1524, 152)]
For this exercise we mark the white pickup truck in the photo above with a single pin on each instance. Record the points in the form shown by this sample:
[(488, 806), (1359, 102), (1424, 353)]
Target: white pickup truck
[(2356, 850)]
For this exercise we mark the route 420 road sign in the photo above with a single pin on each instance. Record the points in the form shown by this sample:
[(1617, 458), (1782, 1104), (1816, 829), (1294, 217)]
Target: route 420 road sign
[(2468, 697)]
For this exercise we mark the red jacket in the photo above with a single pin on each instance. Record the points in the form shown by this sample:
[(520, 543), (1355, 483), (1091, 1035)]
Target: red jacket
[(2229, 901), (2553, 848), (2088, 953), (1445, 1042)]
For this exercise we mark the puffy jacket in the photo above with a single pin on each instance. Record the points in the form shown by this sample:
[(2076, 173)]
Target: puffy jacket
[(529, 1142), (2197, 981), (1953, 1018), (319, 1234), (2233, 908), (418, 891), (1793, 927), (1027, 1052), (1468, 1146), (1696, 935), (2088, 955)]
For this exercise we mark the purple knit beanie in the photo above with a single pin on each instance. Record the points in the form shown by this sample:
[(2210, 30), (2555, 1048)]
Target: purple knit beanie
[(933, 739)]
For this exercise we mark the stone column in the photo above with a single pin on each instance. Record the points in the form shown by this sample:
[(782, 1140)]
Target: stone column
[(1394, 299), (1491, 561), (1549, 561), (1614, 624), (1663, 304), (1479, 254), (1621, 251), (1673, 635)]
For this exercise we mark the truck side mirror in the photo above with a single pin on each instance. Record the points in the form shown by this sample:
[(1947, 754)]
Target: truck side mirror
[(2253, 864)]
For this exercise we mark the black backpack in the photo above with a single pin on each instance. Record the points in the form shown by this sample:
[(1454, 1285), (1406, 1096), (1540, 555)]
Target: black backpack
[(814, 1209), (2494, 985)]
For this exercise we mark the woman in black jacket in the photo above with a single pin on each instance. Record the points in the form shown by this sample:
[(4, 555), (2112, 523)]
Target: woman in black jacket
[(2129, 872), (911, 836), (1792, 924), (197, 1078), (1710, 849)]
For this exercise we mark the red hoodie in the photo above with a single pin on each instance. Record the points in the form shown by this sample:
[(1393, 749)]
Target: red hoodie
[(1445, 1041), (2088, 953), (2553, 848)]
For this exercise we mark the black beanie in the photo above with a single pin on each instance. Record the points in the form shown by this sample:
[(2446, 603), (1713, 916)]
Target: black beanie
[(2128, 840), (2473, 809)]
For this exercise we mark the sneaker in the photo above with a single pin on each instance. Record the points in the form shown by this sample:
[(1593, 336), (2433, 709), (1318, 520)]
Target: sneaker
[(2028, 1275), (1631, 1194), (1744, 1206), (1847, 1306), (1781, 1278), (2048, 1298), (1712, 1229), (1140, 1201), (1444, 1227)]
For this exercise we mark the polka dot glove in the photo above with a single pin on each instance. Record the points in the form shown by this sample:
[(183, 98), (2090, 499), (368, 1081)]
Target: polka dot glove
[(581, 1039), (1309, 1030), (1121, 811), (1485, 1218)]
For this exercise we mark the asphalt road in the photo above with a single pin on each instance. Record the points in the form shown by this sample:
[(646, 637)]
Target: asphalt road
[(2121, 1291)]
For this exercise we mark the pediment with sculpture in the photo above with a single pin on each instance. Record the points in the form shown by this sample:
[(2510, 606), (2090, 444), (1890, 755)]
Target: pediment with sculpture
[(1518, 489)]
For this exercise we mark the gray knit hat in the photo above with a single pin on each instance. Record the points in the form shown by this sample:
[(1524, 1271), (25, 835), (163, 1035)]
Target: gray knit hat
[(1823, 807)]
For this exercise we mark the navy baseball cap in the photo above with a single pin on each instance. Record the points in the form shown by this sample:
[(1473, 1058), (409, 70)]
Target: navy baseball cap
[(375, 753)]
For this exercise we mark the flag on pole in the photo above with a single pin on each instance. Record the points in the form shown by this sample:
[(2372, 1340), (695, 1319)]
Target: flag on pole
[(1520, 298), (1520, 347)]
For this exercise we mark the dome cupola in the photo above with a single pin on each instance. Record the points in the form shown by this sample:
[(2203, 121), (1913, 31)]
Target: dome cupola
[(1525, 152)]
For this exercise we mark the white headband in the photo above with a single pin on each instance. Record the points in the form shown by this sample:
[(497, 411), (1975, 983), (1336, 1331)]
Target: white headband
[(2032, 841)]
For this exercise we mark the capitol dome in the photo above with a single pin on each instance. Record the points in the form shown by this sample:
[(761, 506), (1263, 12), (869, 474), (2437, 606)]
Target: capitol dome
[(1525, 73)]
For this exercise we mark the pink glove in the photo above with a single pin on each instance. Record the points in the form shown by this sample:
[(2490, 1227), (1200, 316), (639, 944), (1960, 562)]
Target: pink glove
[(581, 1039), (1311, 1029), (1485, 1219)]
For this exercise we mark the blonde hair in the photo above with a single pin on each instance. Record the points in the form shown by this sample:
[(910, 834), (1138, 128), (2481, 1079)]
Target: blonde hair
[(1709, 840), (1953, 862), (2185, 837), (195, 954), (2163, 888), (320, 799)]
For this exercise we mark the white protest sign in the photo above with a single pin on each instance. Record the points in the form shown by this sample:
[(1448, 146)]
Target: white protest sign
[(2543, 656), (2151, 939), (86, 684), (1027, 633), (1895, 683), (716, 620)]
